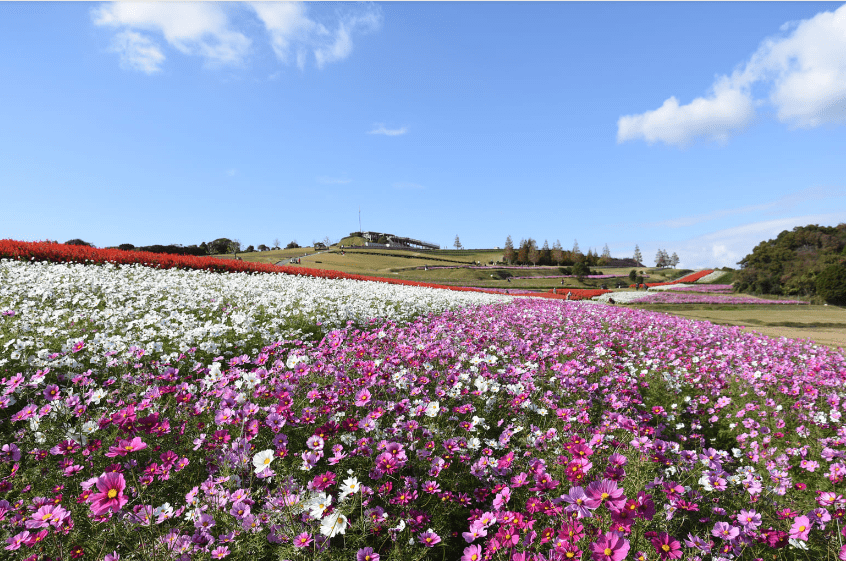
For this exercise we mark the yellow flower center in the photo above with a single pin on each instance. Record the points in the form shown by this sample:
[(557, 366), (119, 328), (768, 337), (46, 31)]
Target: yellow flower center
[(605, 495), (112, 493), (607, 551), (665, 547)]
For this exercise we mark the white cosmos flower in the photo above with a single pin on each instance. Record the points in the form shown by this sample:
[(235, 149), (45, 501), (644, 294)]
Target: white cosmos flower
[(262, 460), (334, 524), (351, 487), (318, 504)]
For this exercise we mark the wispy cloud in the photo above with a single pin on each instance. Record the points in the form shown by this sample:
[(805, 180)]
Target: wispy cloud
[(205, 29), (405, 186), (783, 203), (294, 35), (333, 180), (804, 67), (231, 172), (380, 129), (724, 248), (201, 29), (137, 52)]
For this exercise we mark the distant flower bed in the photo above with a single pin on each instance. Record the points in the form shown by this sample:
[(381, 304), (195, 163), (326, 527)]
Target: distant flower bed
[(711, 276), (693, 277), (576, 293), (675, 298), (570, 277), (704, 288)]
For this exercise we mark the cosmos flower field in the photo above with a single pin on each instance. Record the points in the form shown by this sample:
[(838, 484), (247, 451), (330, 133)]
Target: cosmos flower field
[(187, 414)]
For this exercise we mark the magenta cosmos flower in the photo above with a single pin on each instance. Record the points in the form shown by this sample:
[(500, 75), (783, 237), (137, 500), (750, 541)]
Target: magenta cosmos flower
[(610, 547), (110, 497), (666, 546)]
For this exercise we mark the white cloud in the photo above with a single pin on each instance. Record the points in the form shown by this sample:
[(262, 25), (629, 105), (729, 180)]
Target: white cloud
[(137, 52), (293, 34), (231, 172), (380, 129), (805, 70), (405, 186), (192, 28), (716, 117)]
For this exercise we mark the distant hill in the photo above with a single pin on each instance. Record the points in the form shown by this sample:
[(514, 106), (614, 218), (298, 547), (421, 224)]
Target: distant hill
[(806, 261)]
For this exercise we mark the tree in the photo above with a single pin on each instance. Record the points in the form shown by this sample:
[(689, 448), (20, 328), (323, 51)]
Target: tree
[(293, 245), (557, 253), (126, 246), (632, 275), (263, 247), (533, 254), (276, 243), (638, 258), (249, 249), (605, 258), (523, 252), (509, 254), (77, 241), (457, 243), (661, 258), (674, 260), (545, 254), (576, 250), (235, 246), (220, 246), (581, 270), (326, 241)]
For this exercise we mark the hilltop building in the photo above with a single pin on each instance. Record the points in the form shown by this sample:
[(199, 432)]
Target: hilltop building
[(393, 241)]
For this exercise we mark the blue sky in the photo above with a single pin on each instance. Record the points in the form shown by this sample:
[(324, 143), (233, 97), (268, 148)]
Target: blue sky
[(699, 128)]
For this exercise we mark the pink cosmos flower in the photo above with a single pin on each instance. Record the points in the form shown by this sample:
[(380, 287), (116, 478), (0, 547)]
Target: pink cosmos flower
[(126, 446), (606, 490), (800, 528), (472, 553), (45, 516), (610, 547), (17, 540), (725, 531), (303, 540), (220, 552), (429, 539), (110, 497)]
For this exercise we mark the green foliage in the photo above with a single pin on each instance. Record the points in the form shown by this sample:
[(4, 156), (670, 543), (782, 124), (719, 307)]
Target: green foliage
[(791, 263), (831, 284), (581, 269), (633, 275)]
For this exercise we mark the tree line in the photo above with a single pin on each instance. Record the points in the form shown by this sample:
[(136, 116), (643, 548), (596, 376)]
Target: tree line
[(528, 253)]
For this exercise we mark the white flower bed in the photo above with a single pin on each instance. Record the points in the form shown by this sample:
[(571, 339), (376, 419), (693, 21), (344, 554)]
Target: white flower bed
[(670, 286), (711, 277), (51, 307), (620, 297)]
